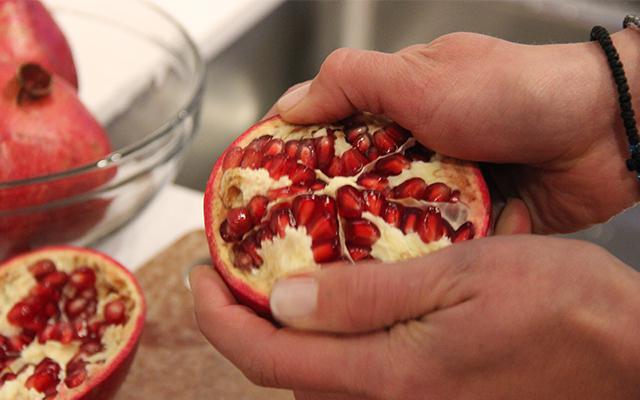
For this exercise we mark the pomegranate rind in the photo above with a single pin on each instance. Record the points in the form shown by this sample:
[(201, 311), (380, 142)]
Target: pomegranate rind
[(214, 211), (106, 381)]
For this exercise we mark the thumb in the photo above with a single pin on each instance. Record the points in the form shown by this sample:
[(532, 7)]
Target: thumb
[(357, 80), (371, 296)]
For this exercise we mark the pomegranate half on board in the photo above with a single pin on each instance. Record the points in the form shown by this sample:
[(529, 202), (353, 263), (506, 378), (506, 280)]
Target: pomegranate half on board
[(284, 199), (70, 320)]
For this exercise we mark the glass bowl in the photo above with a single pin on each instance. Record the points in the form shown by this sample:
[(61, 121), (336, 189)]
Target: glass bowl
[(142, 77)]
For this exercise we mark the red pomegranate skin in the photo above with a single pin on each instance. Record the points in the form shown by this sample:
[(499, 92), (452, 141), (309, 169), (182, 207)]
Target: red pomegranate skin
[(28, 33), (40, 137)]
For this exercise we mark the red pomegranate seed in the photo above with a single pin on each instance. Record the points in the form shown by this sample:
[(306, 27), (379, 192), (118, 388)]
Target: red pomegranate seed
[(97, 329), (51, 310), (24, 311), (67, 332), (243, 261), (42, 268), (302, 175), (232, 158), (226, 234), (291, 148), (419, 153), (383, 142), (334, 168), (392, 165), (363, 142), (372, 153), (43, 292), (328, 204), (277, 165), (353, 133), (239, 221), (327, 251), (50, 332), (464, 232), (373, 181), (359, 253), (360, 232), (373, 201), (250, 246), (352, 162), (392, 214), (350, 202), (263, 234), (18, 342), (430, 226), (323, 227), (304, 208), (55, 280), (259, 143), (455, 196), (410, 217), (398, 134), (76, 373), (437, 192), (273, 147), (413, 188), (89, 293), (257, 207), (251, 159), (75, 307), (280, 220), (114, 312), (325, 150), (317, 185), (307, 153), (83, 278), (45, 377)]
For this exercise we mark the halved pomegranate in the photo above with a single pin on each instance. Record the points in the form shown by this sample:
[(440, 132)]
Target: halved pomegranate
[(70, 320), (284, 199)]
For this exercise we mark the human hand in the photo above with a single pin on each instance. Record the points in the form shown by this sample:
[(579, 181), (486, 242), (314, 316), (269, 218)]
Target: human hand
[(524, 317), (505, 317), (549, 111)]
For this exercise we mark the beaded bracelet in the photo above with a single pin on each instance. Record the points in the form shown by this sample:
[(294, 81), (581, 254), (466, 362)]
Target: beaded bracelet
[(600, 34)]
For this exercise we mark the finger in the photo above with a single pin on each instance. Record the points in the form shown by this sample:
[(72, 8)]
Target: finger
[(273, 110), (514, 218), (372, 296), (357, 80), (283, 358), (324, 396)]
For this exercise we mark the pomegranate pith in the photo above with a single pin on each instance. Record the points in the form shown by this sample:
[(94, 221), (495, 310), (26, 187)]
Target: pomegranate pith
[(71, 340), (355, 190)]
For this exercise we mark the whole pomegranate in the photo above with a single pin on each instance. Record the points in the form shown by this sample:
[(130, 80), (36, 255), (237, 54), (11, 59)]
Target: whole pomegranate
[(285, 199), (28, 34), (44, 129), (70, 320)]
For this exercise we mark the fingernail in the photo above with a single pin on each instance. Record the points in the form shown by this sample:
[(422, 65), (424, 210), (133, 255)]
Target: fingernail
[(291, 99), (294, 297), (190, 273)]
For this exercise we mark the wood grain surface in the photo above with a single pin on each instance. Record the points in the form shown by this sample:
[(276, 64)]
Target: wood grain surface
[(174, 361)]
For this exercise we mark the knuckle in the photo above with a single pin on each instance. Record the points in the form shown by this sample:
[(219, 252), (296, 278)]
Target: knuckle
[(335, 61)]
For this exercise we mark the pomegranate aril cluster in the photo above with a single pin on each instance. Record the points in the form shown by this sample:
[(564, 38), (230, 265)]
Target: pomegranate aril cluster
[(60, 307), (372, 157)]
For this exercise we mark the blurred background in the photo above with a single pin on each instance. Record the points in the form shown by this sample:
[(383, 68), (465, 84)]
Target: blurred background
[(290, 42)]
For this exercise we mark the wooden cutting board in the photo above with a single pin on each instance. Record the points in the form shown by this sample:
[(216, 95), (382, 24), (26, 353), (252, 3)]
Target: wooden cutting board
[(174, 361)]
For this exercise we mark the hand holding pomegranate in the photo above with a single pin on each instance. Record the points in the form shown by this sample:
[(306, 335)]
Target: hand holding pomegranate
[(522, 317), (549, 112), (506, 317)]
